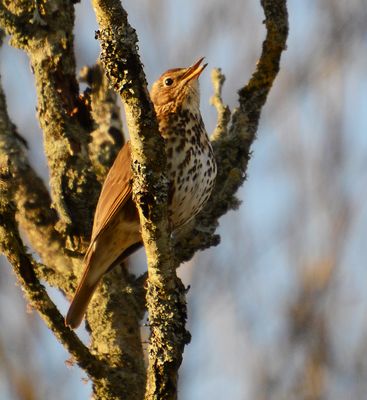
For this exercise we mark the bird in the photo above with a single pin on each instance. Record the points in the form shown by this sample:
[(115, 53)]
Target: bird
[(191, 172)]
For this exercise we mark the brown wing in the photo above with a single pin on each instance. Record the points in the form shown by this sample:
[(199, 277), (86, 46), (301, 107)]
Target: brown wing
[(115, 193), (116, 190)]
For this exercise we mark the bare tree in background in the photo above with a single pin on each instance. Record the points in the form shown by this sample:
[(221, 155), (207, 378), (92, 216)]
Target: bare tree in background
[(80, 144)]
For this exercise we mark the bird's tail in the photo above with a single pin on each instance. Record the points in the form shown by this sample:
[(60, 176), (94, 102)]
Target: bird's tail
[(95, 267), (84, 292), (80, 302)]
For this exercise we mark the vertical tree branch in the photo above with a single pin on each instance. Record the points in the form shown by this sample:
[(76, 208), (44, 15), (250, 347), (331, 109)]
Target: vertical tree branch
[(34, 212), (107, 138), (33, 204), (64, 119), (114, 321), (223, 111), (165, 295)]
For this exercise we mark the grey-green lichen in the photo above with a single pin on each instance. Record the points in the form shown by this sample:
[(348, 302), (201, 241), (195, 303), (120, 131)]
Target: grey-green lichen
[(233, 138), (65, 121), (24, 267), (107, 136), (66, 125), (121, 61)]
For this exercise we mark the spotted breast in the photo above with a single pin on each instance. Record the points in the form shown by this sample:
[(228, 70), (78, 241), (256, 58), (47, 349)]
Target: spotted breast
[(191, 164)]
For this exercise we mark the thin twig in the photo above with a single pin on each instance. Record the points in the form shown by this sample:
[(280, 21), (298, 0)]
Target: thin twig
[(233, 151), (223, 111)]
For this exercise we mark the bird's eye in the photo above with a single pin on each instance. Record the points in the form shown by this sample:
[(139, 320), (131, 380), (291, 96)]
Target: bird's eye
[(168, 81)]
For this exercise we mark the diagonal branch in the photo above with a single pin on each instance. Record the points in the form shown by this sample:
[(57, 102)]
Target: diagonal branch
[(12, 247), (233, 150), (252, 97)]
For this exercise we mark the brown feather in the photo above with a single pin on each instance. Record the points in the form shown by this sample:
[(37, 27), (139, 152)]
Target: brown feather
[(115, 233), (80, 302), (116, 191)]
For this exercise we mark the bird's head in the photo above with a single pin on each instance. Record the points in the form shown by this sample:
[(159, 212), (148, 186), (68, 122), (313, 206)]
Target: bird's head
[(177, 88)]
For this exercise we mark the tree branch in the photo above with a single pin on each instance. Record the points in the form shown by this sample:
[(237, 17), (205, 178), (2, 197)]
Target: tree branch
[(64, 118), (233, 150), (102, 372), (34, 212), (223, 111), (107, 138), (165, 294), (12, 247), (114, 322)]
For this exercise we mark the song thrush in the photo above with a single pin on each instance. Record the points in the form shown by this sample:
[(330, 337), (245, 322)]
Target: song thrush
[(191, 171)]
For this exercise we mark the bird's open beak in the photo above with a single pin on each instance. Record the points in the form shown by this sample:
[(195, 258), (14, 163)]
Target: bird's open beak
[(194, 71)]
